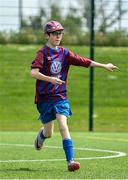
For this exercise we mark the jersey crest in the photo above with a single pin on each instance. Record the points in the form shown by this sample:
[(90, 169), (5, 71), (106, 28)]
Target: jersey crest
[(55, 67)]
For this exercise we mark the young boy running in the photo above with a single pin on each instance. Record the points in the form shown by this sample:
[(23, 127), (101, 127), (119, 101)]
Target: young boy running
[(50, 68)]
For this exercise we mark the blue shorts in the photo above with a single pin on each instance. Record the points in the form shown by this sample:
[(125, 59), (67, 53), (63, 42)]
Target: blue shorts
[(49, 110)]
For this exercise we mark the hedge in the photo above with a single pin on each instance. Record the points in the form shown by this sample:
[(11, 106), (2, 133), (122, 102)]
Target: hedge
[(115, 38)]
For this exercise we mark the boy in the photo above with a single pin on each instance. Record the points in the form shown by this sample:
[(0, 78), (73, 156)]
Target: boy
[(50, 68)]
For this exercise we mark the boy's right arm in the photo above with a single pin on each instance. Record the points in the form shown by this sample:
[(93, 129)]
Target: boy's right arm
[(109, 66), (35, 73)]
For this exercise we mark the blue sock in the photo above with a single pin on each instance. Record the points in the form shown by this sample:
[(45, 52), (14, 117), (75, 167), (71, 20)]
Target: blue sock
[(68, 148)]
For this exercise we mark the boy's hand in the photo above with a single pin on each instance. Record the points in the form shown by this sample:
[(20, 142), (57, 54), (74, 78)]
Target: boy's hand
[(55, 80), (110, 67)]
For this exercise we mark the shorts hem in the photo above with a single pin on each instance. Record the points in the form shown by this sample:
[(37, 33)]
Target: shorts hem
[(47, 121), (64, 114), (55, 118)]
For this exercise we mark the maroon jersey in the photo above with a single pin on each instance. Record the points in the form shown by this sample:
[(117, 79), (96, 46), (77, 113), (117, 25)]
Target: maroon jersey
[(55, 63)]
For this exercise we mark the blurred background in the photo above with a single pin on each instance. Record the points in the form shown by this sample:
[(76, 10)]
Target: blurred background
[(28, 16), (21, 36)]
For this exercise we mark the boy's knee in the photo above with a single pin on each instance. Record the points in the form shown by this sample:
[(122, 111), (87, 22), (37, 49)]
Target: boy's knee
[(63, 128), (48, 134)]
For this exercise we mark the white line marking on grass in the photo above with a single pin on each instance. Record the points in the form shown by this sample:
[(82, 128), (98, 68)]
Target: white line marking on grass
[(116, 154), (108, 139)]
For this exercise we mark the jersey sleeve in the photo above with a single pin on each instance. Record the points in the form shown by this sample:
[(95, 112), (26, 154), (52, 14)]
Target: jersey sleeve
[(74, 59), (39, 60)]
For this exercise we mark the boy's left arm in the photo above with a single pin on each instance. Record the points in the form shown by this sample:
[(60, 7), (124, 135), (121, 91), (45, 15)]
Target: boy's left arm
[(77, 60), (109, 66)]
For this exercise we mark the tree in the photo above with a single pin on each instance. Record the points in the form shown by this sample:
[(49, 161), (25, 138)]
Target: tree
[(86, 13), (73, 22), (34, 21), (105, 19), (55, 13)]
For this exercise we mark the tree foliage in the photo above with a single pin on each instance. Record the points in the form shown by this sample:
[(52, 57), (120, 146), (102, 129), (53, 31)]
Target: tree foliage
[(107, 19), (73, 21)]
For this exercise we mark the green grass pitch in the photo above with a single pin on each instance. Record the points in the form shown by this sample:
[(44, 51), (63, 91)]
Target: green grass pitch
[(18, 118), (19, 146), (110, 90)]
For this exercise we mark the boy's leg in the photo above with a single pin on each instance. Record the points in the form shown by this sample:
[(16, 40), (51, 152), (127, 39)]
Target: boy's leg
[(63, 127), (45, 132), (48, 129), (67, 143)]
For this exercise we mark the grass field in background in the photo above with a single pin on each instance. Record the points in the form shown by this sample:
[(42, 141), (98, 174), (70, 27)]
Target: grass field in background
[(17, 88), (19, 146)]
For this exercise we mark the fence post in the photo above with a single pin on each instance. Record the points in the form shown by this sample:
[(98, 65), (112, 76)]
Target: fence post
[(91, 81)]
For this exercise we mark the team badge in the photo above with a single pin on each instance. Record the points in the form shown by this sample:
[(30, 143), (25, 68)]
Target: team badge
[(55, 67)]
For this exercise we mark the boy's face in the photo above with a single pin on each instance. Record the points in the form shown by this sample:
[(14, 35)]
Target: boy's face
[(55, 37)]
